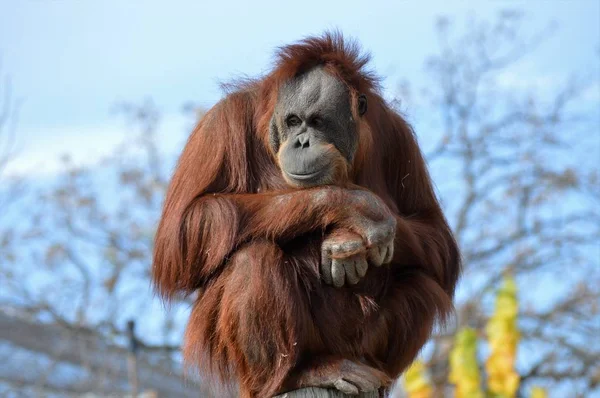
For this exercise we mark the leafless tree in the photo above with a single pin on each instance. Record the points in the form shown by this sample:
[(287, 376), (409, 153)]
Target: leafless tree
[(515, 169), (88, 239), (10, 187)]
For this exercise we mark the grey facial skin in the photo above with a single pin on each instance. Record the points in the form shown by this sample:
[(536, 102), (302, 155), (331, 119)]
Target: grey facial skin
[(313, 112)]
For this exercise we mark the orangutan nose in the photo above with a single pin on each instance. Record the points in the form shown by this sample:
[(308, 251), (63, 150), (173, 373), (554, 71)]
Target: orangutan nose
[(302, 141)]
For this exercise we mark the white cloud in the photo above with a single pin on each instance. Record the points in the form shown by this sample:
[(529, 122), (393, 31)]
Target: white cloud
[(85, 145), (513, 80), (592, 93)]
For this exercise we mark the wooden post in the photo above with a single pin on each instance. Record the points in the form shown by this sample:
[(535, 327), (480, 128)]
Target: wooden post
[(314, 392), (132, 359)]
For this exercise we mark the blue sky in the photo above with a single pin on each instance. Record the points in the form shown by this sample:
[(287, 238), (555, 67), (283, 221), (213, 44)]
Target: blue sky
[(70, 61)]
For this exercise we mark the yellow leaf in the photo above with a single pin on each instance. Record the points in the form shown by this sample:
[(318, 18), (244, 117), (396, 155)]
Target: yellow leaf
[(416, 382), (538, 392), (503, 338)]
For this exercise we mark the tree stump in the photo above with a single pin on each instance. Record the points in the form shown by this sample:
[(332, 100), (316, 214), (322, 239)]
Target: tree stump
[(314, 392)]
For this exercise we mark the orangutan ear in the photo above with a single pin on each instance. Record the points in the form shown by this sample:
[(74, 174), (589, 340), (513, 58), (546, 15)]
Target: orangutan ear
[(362, 104), (274, 136)]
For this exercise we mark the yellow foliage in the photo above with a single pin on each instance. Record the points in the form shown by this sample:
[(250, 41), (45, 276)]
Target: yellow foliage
[(416, 381), (464, 371), (503, 338), (538, 392)]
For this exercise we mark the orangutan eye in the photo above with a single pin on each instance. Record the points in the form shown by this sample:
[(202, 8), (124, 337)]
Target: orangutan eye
[(293, 121), (316, 121)]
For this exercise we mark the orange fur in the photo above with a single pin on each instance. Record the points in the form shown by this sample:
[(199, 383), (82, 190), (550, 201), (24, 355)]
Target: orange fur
[(232, 227)]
